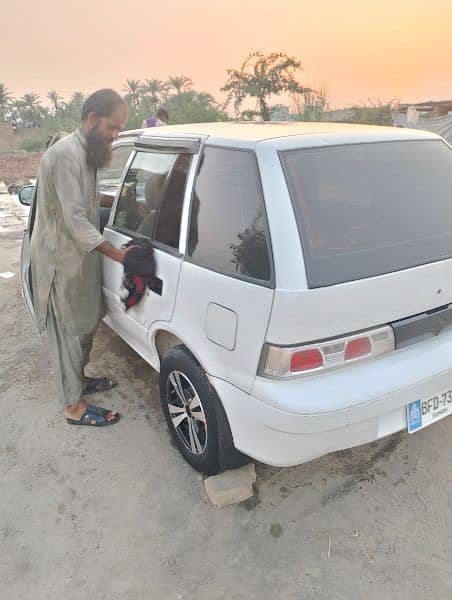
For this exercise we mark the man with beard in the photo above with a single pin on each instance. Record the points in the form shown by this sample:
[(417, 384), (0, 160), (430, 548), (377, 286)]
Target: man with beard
[(66, 248)]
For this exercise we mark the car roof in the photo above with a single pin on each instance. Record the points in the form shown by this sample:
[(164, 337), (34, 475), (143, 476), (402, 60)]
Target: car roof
[(282, 134)]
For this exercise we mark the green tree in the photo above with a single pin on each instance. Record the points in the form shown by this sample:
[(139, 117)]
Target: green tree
[(37, 143), (6, 101), (30, 108), (77, 100), (194, 107), (133, 90), (311, 105), (55, 100), (376, 113), (154, 92), (262, 76), (180, 83), (71, 113)]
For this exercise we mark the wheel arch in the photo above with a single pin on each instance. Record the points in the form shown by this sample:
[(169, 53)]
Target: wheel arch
[(229, 457), (163, 339)]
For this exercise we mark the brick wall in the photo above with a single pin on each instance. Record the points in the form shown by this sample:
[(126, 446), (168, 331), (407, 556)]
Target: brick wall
[(8, 141), (18, 166)]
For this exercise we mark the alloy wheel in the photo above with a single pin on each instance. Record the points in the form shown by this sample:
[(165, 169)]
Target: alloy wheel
[(186, 412)]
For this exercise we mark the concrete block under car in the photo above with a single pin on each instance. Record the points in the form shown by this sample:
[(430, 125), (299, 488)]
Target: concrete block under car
[(231, 487)]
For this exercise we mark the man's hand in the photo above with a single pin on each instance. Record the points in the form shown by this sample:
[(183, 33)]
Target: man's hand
[(117, 254)]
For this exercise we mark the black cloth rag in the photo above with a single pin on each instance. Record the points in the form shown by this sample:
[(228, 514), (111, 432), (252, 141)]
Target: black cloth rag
[(139, 270)]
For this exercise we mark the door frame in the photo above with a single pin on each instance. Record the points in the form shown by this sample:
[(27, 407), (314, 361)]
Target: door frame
[(174, 146)]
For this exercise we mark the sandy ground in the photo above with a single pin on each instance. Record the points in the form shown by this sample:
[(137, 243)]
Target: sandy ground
[(116, 514)]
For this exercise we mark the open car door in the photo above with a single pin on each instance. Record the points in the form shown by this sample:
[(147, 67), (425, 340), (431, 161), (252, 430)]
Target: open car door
[(25, 267)]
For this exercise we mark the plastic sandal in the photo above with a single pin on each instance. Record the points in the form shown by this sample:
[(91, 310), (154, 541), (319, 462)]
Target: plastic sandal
[(94, 416), (96, 385)]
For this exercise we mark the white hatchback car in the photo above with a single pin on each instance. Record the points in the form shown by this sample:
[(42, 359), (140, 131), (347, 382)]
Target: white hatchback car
[(303, 300)]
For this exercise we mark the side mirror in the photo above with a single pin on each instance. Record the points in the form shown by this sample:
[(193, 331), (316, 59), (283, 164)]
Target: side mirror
[(26, 194)]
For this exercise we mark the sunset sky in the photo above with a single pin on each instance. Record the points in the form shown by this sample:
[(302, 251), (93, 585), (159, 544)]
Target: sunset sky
[(384, 49)]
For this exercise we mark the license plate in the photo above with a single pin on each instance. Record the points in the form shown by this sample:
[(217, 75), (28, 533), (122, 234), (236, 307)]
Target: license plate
[(422, 413)]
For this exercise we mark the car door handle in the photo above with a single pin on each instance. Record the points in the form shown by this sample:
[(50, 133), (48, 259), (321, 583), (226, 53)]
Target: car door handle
[(156, 286)]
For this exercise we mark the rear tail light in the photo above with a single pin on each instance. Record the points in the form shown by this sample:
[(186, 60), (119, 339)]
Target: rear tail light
[(358, 348), (286, 362), (306, 360)]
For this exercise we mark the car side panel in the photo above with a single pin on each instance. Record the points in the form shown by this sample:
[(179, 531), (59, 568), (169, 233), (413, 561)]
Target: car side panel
[(225, 319)]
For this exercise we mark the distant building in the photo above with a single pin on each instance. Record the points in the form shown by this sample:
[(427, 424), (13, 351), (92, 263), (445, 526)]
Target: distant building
[(432, 116)]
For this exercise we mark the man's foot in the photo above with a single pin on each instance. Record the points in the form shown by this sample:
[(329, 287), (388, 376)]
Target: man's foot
[(88, 414), (94, 385)]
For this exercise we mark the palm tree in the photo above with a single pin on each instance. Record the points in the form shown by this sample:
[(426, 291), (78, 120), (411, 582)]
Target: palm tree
[(180, 83), (5, 100), (55, 99), (133, 89), (154, 90), (204, 99), (77, 99), (31, 107), (73, 108)]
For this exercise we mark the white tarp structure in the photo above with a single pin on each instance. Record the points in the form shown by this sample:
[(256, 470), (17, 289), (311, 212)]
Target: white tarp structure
[(440, 125)]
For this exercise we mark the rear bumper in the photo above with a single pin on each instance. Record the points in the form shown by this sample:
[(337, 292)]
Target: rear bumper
[(284, 423)]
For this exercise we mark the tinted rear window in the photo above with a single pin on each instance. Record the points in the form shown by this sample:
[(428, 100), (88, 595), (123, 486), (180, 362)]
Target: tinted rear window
[(228, 228), (368, 209)]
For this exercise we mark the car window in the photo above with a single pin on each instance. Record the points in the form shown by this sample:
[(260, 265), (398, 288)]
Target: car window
[(228, 226), (141, 199), (168, 219), (368, 209), (109, 178)]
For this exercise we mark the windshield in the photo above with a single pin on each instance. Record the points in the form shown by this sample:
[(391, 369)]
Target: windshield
[(368, 209)]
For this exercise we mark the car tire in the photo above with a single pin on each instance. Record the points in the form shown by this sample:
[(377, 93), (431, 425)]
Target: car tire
[(195, 415)]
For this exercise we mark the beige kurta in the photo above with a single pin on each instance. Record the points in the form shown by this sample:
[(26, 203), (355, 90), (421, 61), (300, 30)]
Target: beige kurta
[(65, 234)]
